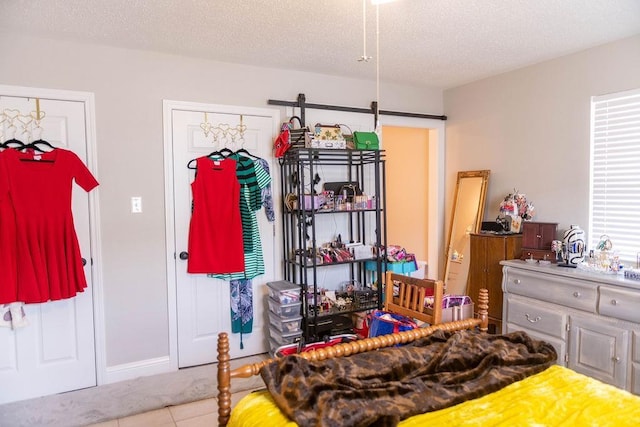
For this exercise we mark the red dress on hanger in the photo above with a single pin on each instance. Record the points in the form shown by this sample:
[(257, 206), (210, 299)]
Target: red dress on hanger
[(215, 230), (49, 263)]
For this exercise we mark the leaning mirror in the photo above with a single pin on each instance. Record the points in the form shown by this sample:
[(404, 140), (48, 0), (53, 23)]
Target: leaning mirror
[(466, 218)]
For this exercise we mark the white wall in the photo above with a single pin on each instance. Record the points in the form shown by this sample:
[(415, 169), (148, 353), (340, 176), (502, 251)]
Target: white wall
[(531, 128), (129, 87)]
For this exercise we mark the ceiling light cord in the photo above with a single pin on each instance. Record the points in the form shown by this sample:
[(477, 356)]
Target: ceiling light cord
[(364, 57), (378, 128)]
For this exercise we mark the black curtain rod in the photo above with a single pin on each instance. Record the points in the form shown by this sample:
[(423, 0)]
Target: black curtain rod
[(302, 104), (416, 115)]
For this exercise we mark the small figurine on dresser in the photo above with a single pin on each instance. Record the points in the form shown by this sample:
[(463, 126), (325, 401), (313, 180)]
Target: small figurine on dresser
[(557, 248), (603, 259)]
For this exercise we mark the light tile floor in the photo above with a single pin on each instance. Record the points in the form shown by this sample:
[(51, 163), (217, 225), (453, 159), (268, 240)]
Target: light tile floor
[(195, 414)]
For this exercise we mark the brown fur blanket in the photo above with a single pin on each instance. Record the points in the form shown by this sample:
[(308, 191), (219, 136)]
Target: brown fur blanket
[(383, 387)]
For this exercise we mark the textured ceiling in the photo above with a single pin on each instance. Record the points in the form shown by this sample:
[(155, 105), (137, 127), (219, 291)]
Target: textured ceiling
[(436, 43)]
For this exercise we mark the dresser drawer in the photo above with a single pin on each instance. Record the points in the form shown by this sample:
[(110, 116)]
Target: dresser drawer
[(532, 315), (538, 254), (619, 303), (555, 289)]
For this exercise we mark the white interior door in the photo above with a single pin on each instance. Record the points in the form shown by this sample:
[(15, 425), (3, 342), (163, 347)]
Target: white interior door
[(56, 351), (203, 303)]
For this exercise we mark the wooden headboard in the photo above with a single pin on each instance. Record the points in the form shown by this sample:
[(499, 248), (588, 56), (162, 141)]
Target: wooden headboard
[(225, 374), (410, 298)]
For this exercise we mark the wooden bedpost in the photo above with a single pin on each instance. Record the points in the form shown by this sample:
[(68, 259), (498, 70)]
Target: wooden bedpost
[(483, 309), (224, 379)]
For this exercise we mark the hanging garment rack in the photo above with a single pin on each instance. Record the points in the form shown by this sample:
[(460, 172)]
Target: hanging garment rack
[(302, 104)]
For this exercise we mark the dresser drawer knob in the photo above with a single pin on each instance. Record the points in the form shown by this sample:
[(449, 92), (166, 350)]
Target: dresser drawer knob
[(516, 281), (535, 320), (616, 359), (614, 302), (576, 294)]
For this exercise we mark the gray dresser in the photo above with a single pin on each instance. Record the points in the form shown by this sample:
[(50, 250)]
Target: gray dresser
[(592, 319)]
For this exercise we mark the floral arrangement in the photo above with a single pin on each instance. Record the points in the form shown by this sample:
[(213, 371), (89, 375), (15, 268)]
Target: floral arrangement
[(515, 204)]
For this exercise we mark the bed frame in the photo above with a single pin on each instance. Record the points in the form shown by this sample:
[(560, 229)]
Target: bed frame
[(407, 304), (411, 294)]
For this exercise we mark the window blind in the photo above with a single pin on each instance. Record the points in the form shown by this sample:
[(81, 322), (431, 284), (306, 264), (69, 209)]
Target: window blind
[(615, 173)]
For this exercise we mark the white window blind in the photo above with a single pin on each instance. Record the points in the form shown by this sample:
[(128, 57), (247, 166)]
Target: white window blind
[(615, 173)]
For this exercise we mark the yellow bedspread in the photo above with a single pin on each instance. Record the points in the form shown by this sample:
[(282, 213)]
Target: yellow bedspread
[(555, 397)]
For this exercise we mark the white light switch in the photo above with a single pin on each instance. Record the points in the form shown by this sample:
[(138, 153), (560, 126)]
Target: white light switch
[(136, 204)]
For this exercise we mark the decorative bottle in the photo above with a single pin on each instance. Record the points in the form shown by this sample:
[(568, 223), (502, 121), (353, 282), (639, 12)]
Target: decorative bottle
[(573, 242)]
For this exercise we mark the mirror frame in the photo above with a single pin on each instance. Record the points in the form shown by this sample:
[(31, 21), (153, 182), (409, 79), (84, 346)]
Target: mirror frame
[(484, 174)]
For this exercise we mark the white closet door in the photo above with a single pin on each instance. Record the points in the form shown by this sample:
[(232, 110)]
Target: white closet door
[(203, 303), (55, 352)]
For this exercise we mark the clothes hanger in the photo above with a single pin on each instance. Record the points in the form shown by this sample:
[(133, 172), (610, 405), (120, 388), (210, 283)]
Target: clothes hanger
[(224, 152), (244, 151), (12, 143), (37, 160), (36, 145)]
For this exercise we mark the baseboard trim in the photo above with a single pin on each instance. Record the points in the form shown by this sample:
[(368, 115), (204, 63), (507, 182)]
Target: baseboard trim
[(142, 368)]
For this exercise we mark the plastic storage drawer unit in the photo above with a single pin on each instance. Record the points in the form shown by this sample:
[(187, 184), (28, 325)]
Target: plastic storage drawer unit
[(285, 324), (284, 310), (283, 338), (284, 291)]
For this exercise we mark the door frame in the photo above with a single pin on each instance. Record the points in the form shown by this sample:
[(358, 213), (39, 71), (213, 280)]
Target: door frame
[(168, 106), (436, 195), (88, 100)]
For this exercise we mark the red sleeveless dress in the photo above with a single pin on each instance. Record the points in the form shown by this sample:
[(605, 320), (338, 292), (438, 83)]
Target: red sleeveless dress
[(215, 230)]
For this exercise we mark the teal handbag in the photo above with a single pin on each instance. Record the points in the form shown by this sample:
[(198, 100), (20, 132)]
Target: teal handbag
[(366, 141)]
